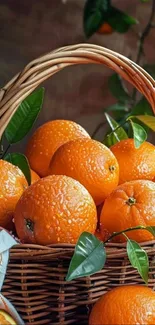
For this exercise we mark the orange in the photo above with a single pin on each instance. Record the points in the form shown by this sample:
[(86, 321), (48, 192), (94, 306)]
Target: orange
[(34, 177), (105, 29), (12, 185), (6, 319), (98, 234), (130, 204), (126, 305), (47, 139), (99, 209), (8, 314), (134, 163), (102, 234), (89, 162), (56, 209)]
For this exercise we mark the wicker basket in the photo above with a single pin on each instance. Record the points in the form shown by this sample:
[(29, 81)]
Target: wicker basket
[(35, 280)]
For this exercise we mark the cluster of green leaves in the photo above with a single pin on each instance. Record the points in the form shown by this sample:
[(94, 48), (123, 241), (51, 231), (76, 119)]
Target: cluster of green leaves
[(130, 121), (97, 12), (20, 124), (139, 134), (90, 255)]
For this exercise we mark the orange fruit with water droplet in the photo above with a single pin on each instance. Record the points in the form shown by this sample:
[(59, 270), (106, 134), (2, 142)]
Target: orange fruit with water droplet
[(134, 163), (12, 185), (89, 162), (47, 139), (125, 305), (55, 209), (34, 177), (131, 204)]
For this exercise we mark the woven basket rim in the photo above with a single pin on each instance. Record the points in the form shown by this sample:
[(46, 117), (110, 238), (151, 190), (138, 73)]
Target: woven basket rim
[(33, 251), (37, 71), (72, 246)]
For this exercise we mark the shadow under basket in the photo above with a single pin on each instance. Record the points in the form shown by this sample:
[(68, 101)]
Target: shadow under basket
[(35, 281)]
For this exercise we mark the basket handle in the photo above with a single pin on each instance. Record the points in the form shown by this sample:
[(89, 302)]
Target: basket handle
[(42, 68)]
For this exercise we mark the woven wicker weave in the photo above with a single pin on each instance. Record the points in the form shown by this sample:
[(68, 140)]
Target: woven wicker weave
[(35, 280)]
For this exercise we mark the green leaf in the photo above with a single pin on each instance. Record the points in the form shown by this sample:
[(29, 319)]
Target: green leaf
[(147, 120), (25, 116), (138, 259), (120, 21), (116, 135), (89, 257), (142, 108), (119, 110), (139, 134), (118, 89), (144, 1), (151, 229), (21, 161), (94, 12), (117, 107), (150, 68)]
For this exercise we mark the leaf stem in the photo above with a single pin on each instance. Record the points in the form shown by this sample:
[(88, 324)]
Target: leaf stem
[(6, 150), (141, 41), (145, 32), (97, 129), (119, 126), (123, 232), (1, 150)]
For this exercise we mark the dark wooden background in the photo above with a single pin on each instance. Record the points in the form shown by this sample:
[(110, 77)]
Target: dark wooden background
[(31, 28)]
